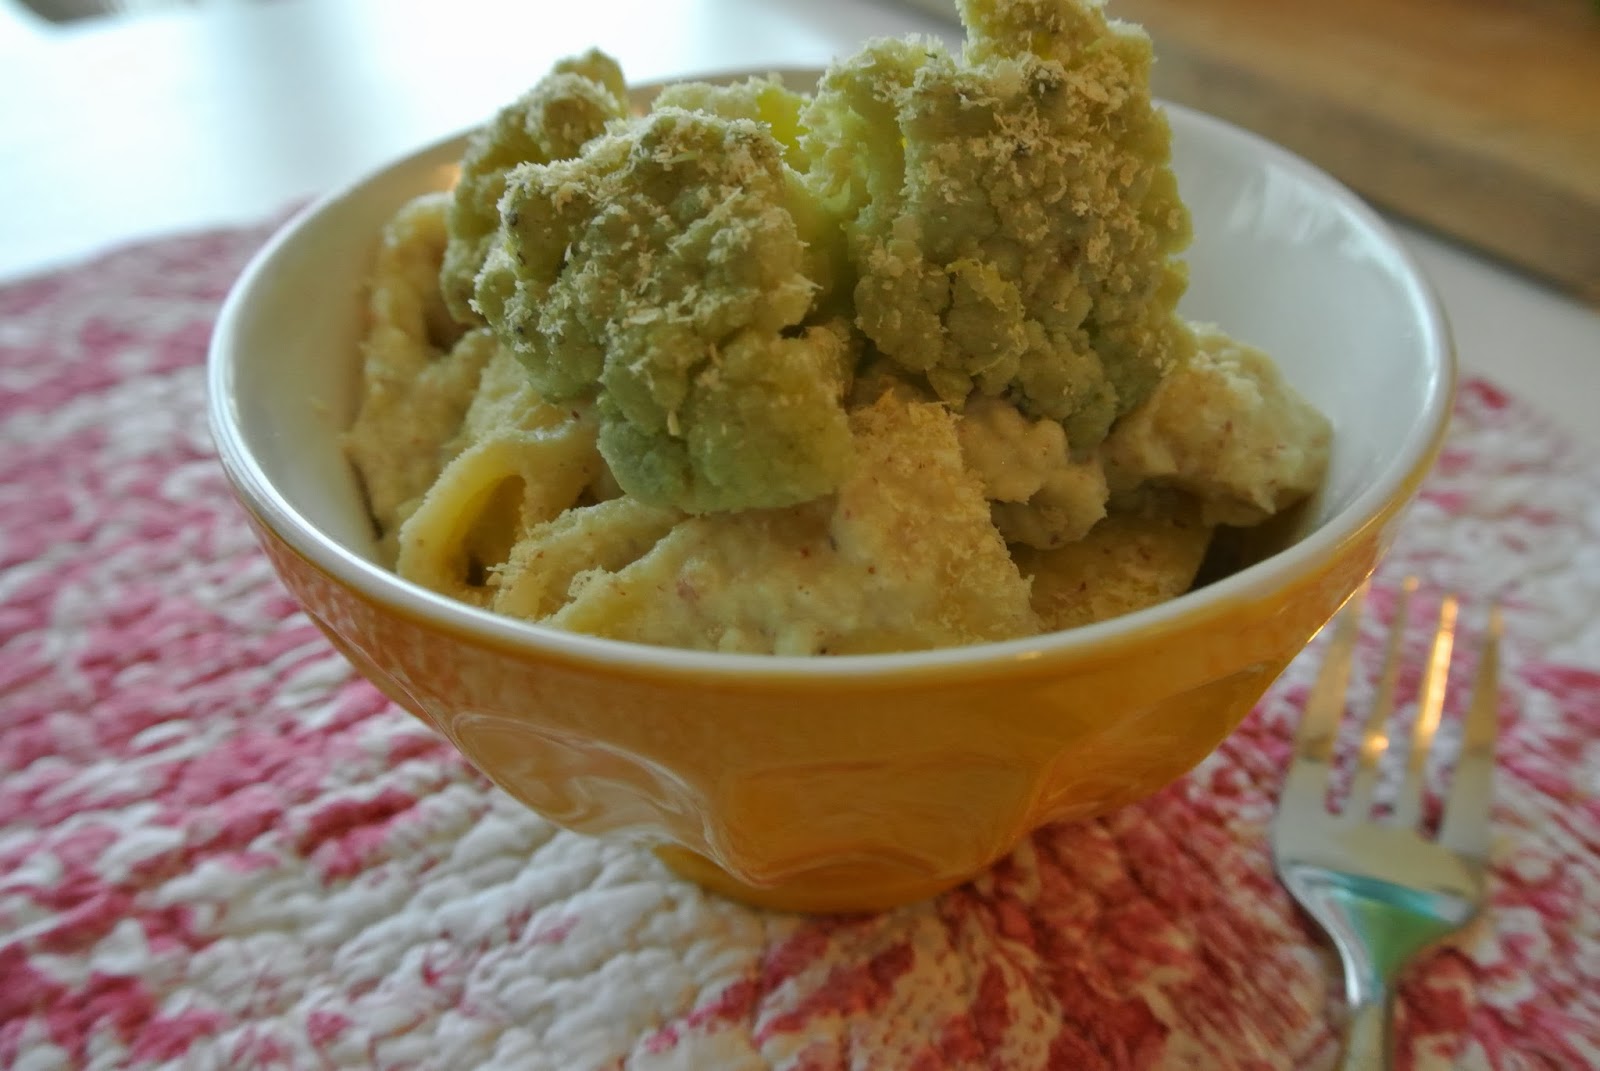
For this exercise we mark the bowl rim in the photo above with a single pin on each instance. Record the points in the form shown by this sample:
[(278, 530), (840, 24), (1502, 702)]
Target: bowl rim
[(1389, 490)]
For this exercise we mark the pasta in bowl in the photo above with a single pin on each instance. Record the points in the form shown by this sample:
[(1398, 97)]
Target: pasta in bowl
[(844, 782)]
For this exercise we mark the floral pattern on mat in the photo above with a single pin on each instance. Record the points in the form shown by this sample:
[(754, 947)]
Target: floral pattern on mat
[(220, 848)]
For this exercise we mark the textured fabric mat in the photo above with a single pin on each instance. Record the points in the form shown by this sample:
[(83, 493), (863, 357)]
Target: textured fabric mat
[(220, 848)]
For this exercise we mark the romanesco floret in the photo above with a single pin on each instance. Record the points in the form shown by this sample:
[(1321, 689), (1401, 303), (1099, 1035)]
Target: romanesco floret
[(762, 100), (672, 267), (1012, 216), (767, 102), (552, 121)]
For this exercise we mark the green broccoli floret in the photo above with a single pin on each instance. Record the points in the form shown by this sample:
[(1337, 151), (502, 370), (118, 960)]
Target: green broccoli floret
[(668, 268), (768, 102), (762, 100), (552, 121), (1012, 215)]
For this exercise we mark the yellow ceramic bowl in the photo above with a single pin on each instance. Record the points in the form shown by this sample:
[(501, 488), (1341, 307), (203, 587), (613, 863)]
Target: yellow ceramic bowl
[(861, 782)]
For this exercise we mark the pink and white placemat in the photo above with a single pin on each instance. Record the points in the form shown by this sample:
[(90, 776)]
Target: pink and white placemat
[(219, 848)]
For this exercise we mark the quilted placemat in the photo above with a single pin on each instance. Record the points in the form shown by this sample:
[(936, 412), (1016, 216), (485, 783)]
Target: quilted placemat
[(220, 848)]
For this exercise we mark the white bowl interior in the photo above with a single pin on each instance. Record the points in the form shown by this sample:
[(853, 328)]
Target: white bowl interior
[(1283, 257), (1287, 260)]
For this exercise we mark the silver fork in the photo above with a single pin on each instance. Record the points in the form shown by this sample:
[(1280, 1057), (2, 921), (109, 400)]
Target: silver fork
[(1382, 891)]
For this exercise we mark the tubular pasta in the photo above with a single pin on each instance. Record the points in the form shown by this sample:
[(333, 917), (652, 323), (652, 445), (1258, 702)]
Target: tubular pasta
[(419, 371), (904, 556), (487, 498), (605, 537)]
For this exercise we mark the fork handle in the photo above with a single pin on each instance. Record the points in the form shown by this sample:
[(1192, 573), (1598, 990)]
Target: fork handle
[(1369, 1034)]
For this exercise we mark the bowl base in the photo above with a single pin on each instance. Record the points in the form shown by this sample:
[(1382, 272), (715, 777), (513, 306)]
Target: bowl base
[(836, 890)]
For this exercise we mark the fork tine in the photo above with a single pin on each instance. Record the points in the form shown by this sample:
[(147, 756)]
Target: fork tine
[(1319, 721), (1466, 811), (1430, 704), (1374, 733)]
